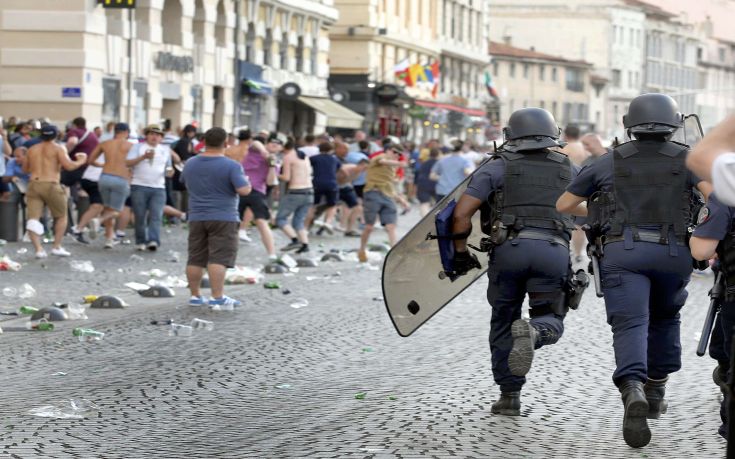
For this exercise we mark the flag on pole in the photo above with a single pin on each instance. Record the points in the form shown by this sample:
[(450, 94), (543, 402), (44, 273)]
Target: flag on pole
[(489, 85), (435, 75), (402, 73), (416, 71)]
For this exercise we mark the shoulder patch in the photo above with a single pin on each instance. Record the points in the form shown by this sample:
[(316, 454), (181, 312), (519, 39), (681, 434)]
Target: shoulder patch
[(703, 215)]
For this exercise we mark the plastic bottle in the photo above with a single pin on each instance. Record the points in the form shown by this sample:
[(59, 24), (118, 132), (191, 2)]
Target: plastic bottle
[(201, 324), (87, 334), (180, 330)]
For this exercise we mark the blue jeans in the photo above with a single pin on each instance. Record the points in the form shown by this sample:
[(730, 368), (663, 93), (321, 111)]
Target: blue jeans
[(148, 206)]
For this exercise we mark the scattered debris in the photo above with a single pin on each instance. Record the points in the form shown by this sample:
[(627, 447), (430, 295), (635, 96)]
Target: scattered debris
[(300, 303), (360, 395), (83, 266), (87, 334), (26, 291), (243, 275), (272, 285), (155, 272), (282, 386), (201, 324), (6, 264), (59, 373), (180, 330), (136, 258), (66, 409)]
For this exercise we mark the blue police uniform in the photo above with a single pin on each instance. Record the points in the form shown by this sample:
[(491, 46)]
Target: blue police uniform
[(516, 267), (715, 222), (644, 284)]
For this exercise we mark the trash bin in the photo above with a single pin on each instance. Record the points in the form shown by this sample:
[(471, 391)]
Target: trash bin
[(9, 220)]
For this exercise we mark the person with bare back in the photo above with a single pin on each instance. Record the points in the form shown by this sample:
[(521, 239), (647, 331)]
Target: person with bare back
[(114, 183), (44, 162)]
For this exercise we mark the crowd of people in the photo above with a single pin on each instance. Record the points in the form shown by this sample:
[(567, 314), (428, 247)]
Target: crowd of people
[(316, 184)]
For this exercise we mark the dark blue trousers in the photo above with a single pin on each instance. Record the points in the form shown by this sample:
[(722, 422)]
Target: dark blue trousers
[(645, 287), (517, 267)]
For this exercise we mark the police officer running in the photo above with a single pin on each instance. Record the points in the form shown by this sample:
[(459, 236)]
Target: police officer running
[(516, 192), (647, 263), (715, 236)]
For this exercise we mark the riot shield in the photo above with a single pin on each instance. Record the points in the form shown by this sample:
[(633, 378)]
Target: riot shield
[(415, 286), (690, 133)]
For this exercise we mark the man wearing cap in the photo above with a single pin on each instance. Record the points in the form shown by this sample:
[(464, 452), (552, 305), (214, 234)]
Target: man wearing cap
[(151, 164), (113, 183), (44, 162)]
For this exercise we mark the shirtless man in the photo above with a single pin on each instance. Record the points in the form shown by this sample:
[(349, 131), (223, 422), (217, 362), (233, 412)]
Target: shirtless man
[(298, 199), (114, 183), (577, 155), (44, 162), (238, 152)]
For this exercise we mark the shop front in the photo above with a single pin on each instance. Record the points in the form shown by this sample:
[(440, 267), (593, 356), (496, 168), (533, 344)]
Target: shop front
[(254, 95)]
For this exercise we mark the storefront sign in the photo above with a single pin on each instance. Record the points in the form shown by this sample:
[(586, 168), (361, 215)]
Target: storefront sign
[(180, 64), (73, 92)]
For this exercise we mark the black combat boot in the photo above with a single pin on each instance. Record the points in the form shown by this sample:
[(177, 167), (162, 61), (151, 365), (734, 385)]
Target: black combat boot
[(655, 390), (635, 426), (719, 377), (509, 404), (524, 343)]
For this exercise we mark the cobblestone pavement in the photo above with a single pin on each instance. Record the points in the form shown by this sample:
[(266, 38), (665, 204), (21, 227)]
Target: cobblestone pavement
[(215, 394)]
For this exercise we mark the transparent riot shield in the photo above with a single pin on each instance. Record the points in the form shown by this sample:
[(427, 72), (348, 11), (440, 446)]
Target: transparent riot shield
[(690, 133)]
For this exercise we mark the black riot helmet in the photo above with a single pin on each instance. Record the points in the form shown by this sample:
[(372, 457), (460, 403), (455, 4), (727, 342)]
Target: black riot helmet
[(652, 114), (531, 129)]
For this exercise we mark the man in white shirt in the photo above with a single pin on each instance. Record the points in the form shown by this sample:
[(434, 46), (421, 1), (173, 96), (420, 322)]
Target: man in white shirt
[(148, 187), (713, 159)]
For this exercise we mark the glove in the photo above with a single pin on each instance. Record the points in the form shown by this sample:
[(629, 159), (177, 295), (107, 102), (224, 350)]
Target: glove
[(463, 262)]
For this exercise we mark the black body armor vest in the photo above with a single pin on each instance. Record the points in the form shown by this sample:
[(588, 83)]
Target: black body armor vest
[(650, 187), (533, 182)]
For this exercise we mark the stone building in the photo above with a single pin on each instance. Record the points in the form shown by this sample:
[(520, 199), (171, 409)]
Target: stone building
[(528, 78), (213, 62), (374, 37)]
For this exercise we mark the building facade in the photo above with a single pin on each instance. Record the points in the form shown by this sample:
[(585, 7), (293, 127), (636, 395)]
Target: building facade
[(610, 34), (527, 78), (375, 38), (212, 62)]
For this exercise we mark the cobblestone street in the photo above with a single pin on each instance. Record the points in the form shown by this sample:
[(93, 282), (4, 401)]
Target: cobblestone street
[(275, 381)]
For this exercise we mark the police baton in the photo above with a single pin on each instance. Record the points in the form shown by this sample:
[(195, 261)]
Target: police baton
[(596, 275), (715, 295)]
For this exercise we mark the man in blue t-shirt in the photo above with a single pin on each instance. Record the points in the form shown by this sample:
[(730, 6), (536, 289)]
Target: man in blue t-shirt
[(214, 183), (449, 171), (324, 179)]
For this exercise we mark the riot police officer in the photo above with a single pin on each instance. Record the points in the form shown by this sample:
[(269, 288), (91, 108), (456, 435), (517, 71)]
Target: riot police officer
[(516, 192), (646, 263), (715, 235)]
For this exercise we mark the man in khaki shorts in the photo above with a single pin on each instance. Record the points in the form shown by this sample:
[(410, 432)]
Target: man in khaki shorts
[(44, 162)]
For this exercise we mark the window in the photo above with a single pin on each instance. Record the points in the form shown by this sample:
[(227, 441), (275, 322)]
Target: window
[(574, 80), (542, 72), (511, 105), (495, 69), (616, 78), (542, 104), (554, 76), (300, 55), (314, 56), (512, 71), (721, 53), (525, 104), (250, 43), (554, 107), (268, 48), (284, 51), (525, 70), (110, 99)]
